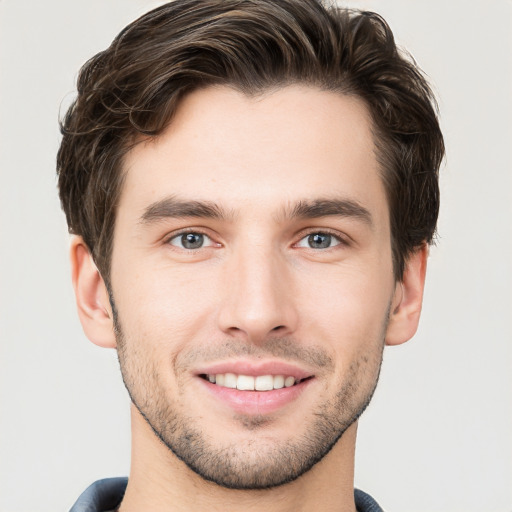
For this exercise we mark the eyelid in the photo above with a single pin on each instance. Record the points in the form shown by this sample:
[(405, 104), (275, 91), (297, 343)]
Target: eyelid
[(340, 237), (180, 232)]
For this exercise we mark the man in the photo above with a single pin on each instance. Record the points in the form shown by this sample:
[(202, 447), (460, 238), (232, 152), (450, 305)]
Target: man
[(252, 188)]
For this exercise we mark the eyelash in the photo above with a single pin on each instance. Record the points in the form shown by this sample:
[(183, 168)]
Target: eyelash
[(334, 234), (194, 231), (342, 240)]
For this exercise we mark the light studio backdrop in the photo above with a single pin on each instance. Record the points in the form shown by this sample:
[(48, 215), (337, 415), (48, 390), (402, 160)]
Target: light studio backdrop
[(437, 437)]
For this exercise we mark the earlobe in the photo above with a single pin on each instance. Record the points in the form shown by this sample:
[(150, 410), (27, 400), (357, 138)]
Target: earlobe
[(408, 298), (91, 296)]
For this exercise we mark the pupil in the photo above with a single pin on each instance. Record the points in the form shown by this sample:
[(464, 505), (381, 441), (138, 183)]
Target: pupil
[(319, 240), (192, 240)]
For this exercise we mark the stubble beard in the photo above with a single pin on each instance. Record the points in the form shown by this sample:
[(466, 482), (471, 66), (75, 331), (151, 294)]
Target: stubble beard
[(255, 464)]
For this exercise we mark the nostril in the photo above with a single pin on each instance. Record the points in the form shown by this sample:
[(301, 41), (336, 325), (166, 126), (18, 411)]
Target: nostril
[(278, 327)]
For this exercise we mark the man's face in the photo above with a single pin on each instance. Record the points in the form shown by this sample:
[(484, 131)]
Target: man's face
[(252, 248)]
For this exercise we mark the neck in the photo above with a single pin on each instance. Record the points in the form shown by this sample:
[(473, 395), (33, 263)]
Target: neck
[(160, 482)]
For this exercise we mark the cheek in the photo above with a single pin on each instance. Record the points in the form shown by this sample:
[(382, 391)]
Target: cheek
[(349, 314), (164, 308), (354, 297)]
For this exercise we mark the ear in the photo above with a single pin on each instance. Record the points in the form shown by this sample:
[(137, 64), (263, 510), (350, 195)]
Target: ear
[(91, 296), (408, 298)]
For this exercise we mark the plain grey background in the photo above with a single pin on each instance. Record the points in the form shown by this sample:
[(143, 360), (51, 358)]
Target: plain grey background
[(437, 436)]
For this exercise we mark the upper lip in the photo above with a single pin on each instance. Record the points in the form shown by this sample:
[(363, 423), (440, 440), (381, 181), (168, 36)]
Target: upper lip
[(255, 368)]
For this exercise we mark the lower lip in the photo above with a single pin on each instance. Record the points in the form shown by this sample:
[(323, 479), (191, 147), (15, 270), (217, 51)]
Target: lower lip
[(256, 402)]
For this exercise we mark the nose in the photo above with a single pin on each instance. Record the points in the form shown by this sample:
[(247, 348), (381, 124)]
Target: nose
[(258, 296)]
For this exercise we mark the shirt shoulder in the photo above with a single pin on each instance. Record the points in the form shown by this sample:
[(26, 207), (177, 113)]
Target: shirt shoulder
[(365, 503), (101, 496)]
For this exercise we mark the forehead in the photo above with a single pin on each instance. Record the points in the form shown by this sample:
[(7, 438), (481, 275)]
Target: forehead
[(291, 144)]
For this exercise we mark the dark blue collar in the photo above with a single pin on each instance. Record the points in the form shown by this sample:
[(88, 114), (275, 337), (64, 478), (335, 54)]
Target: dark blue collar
[(102, 496), (106, 495)]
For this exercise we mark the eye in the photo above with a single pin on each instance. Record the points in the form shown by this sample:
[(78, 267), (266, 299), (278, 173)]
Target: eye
[(191, 241), (319, 240)]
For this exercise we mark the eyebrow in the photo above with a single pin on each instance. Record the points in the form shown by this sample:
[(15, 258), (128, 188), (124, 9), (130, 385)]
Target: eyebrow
[(329, 207), (173, 207)]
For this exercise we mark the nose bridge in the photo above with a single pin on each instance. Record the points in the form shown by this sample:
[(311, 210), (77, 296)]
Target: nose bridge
[(256, 299)]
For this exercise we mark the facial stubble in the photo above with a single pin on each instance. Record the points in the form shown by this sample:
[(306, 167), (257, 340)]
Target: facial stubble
[(257, 463)]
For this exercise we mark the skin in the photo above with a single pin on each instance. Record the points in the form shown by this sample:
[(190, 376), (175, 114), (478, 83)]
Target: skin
[(256, 291)]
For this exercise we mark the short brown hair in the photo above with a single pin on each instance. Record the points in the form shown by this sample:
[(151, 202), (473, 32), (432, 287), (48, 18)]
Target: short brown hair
[(135, 85)]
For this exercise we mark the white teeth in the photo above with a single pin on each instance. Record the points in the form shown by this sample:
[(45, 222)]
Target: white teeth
[(264, 383), (245, 382), (250, 383), (279, 382), (230, 380), (288, 382)]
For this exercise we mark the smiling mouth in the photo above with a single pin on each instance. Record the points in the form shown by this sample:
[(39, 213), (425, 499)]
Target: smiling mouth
[(252, 383)]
